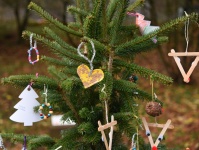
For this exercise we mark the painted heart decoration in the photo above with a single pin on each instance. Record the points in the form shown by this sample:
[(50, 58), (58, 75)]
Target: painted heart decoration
[(83, 71)]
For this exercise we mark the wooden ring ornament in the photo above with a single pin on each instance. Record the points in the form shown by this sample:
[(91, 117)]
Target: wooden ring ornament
[(29, 55), (43, 116)]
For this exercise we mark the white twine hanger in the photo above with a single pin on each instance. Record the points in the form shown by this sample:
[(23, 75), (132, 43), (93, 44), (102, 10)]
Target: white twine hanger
[(133, 144), (58, 148), (86, 58), (35, 43), (46, 93), (105, 103), (187, 31)]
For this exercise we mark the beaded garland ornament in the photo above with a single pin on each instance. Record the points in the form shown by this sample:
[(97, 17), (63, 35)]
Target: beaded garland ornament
[(43, 116), (30, 50), (46, 104)]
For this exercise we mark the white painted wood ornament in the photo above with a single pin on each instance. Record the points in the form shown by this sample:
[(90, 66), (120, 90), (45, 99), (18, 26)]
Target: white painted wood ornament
[(25, 108), (164, 127), (176, 55)]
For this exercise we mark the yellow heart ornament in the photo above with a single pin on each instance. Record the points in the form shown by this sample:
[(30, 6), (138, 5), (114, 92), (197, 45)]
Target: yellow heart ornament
[(88, 80)]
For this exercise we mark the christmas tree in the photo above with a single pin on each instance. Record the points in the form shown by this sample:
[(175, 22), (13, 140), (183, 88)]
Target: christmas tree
[(102, 24)]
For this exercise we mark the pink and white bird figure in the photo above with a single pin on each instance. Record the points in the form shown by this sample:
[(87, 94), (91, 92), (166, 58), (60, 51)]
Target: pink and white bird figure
[(144, 25)]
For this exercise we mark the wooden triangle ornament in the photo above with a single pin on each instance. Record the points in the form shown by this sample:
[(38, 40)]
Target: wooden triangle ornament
[(160, 137), (187, 75)]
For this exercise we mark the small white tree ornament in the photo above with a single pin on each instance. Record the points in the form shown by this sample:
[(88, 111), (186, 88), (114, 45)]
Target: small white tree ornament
[(25, 108)]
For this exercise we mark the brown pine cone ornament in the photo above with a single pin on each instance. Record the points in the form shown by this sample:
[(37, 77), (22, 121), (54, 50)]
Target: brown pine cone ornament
[(153, 109)]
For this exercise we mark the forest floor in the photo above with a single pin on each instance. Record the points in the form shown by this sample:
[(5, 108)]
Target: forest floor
[(181, 102)]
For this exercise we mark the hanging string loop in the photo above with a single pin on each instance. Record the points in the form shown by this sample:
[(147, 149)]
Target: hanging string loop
[(30, 50), (46, 93), (105, 103), (90, 61), (187, 31)]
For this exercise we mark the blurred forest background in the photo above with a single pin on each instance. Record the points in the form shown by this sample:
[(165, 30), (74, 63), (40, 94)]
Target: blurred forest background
[(181, 100)]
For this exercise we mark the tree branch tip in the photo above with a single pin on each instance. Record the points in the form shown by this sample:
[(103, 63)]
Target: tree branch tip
[(31, 5)]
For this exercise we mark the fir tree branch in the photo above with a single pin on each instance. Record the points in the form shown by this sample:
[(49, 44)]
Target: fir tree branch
[(56, 38), (104, 23), (141, 47), (24, 80), (107, 85), (48, 17), (70, 71), (124, 114), (144, 72), (42, 141), (74, 25), (78, 11), (137, 4), (129, 28), (100, 47), (122, 4), (110, 61), (55, 47), (33, 142), (63, 62), (13, 137), (56, 73), (93, 22), (124, 86), (69, 139), (88, 27), (77, 16), (142, 95), (66, 90), (111, 9), (167, 27)]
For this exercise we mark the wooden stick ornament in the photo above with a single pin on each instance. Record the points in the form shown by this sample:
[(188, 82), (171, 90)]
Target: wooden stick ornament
[(101, 128), (175, 55), (110, 125), (166, 126), (154, 110), (187, 75)]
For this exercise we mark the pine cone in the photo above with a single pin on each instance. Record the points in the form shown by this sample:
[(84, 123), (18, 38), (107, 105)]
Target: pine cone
[(153, 109)]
